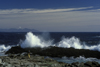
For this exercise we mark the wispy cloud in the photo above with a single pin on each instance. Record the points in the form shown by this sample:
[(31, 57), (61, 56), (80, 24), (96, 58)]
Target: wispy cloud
[(12, 11), (71, 19), (60, 10)]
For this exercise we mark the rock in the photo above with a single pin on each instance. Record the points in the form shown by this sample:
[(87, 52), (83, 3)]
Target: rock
[(29, 66), (1, 65), (49, 59), (11, 55), (81, 64), (76, 64), (89, 64), (15, 50), (0, 60), (55, 52), (9, 65), (95, 64), (22, 66), (40, 61), (98, 66)]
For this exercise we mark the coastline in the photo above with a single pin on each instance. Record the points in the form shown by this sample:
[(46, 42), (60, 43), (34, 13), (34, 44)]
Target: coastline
[(18, 57), (21, 60), (14, 60)]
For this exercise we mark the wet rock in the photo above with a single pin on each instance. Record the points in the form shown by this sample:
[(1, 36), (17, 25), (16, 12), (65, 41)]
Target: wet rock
[(76, 64), (9, 65), (0, 60), (95, 64), (89, 64), (56, 52), (1, 65), (15, 50), (40, 61), (81, 64)]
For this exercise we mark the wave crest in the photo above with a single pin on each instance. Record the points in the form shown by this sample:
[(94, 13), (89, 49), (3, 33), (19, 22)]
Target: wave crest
[(36, 41), (4, 48)]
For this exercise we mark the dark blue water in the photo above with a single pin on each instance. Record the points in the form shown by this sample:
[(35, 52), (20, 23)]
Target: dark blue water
[(90, 38)]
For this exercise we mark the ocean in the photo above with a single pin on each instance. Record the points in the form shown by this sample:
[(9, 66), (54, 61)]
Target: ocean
[(77, 40)]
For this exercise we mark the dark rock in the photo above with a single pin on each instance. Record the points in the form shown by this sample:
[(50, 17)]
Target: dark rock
[(98, 66), (15, 50), (89, 64), (77, 64), (1, 65), (95, 63), (39, 61), (81, 64), (11, 55), (56, 52)]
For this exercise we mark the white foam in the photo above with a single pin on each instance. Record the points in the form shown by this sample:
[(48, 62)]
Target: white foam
[(37, 41), (77, 59), (4, 48), (75, 43), (34, 41), (70, 42)]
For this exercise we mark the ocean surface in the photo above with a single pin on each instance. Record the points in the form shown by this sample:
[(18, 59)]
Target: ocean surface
[(77, 40)]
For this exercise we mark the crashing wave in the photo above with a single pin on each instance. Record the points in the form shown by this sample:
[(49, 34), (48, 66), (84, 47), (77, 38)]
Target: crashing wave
[(35, 41), (4, 48)]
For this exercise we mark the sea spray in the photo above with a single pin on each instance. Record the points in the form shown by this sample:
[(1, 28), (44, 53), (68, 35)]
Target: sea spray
[(37, 41), (34, 41), (4, 48), (70, 42), (76, 43)]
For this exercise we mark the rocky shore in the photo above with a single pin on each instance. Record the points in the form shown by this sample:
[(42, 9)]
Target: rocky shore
[(56, 52), (22, 60), (16, 57)]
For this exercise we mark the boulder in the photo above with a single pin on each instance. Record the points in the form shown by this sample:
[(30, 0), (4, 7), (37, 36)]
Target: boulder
[(15, 50), (0, 60), (95, 63), (55, 52)]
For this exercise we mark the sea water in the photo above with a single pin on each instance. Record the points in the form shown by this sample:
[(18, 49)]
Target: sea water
[(77, 40)]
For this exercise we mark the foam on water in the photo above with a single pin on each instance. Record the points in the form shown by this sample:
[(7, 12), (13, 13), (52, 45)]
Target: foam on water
[(70, 42), (75, 43), (77, 59), (4, 48), (36, 41)]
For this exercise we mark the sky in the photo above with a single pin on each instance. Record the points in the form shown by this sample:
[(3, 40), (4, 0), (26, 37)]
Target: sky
[(51, 15)]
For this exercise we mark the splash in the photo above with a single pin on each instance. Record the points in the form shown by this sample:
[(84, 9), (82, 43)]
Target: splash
[(4, 48), (76, 43), (36, 41), (70, 42)]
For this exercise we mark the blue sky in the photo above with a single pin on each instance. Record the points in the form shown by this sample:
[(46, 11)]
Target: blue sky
[(51, 15), (45, 4)]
